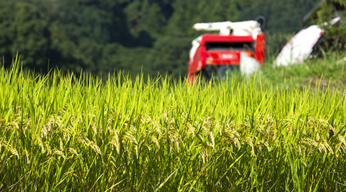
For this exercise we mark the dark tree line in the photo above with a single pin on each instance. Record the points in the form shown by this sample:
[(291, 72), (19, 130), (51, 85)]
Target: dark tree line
[(149, 36)]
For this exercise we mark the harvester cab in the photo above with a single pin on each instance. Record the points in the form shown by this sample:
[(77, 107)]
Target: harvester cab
[(215, 54)]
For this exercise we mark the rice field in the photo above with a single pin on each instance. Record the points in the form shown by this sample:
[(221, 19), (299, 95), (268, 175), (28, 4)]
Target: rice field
[(59, 132)]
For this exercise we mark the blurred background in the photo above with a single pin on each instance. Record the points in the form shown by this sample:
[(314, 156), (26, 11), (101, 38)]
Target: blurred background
[(137, 36)]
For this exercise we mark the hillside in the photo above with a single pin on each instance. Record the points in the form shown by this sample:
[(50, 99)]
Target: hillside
[(138, 36)]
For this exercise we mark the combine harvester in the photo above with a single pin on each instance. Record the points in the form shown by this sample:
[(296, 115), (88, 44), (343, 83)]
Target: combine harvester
[(239, 45)]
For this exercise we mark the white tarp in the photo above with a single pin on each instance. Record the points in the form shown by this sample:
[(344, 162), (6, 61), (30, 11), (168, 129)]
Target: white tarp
[(248, 65), (300, 46)]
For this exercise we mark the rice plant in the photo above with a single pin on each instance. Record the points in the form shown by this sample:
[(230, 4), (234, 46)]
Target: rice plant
[(63, 133)]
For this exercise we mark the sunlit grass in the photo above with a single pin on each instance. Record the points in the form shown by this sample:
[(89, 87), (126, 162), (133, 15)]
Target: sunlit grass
[(62, 133)]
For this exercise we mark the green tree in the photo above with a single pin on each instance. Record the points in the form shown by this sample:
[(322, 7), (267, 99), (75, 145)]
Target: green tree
[(187, 13), (116, 57), (81, 28), (169, 55), (145, 16), (24, 30)]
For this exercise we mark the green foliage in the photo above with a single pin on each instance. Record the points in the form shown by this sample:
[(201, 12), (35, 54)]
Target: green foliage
[(190, 12), (24, 28), (116, 58), (169, 55), (282, 17), (336, 32), (145, 17)]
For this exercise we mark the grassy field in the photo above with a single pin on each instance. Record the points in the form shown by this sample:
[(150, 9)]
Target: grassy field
[(329, 72), (62, 133)]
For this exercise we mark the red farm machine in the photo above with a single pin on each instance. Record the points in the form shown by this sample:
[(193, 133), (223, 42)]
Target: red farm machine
[(214, 54)]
